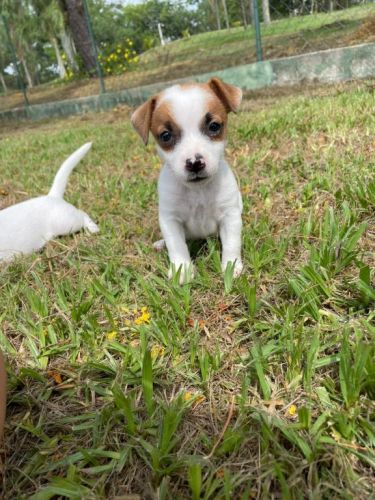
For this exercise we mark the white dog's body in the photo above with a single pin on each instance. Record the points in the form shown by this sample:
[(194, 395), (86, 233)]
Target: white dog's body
[(207, 210), (198, 193), (27, 226)]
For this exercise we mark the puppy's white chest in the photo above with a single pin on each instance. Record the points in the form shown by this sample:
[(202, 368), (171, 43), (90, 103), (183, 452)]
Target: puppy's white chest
[(199, 214), (200, 218)]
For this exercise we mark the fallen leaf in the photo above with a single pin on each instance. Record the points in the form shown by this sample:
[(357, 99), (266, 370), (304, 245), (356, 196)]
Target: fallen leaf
[(56, 376)]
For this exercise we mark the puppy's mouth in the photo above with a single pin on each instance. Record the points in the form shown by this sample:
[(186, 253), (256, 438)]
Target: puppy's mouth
[(197, 178)]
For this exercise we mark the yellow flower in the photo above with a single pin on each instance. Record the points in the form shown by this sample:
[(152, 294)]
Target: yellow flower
[(187, 396), (200, 399), (156, 351), (112, 335), (144, 317), (292, 410)]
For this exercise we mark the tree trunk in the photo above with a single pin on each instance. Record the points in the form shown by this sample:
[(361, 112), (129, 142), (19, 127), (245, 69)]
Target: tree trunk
[(266, 12), (217, 14), (68, 46), (60, 62), (27, 73), (4, 85), (226, 17), (251, 11), (243, 12), (75, 16)]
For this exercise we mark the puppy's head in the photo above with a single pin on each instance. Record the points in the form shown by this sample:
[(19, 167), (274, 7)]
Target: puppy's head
[(189, 123)]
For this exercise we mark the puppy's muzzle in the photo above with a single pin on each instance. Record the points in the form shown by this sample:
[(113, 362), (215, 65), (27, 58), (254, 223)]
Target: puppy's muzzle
[(195, 166)]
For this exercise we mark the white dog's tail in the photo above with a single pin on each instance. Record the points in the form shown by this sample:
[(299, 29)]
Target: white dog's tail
[(59, 184)]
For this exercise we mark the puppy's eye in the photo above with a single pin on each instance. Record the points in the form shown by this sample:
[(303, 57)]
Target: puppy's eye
[(214, 128), (165, 136)]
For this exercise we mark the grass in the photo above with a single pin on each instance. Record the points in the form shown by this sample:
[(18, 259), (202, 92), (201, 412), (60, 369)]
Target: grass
[(216, 50), (124, 383)]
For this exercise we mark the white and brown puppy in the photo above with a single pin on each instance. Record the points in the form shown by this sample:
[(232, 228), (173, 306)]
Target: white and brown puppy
[(26, 227), (198, 193)]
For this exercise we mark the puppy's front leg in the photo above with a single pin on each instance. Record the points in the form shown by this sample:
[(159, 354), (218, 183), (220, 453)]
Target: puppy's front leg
[(174, 236), (230, 236)]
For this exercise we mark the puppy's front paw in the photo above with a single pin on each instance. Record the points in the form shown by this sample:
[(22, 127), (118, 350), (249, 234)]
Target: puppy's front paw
[(185, 270), (238, 267)]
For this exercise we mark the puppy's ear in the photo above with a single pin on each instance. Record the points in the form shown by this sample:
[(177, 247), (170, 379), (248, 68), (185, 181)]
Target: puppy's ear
[(141, 118), (229, 95)]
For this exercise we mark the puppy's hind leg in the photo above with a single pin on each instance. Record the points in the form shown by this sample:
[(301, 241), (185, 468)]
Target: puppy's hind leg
[(68, 219)]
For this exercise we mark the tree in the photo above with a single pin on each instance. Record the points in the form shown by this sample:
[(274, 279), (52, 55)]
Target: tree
[(51, 23), (23, 30), (74, 15), (68, 46), (5, 58), (226, 17), (243, 12), (215, 8), (139, 22), (266, 12)]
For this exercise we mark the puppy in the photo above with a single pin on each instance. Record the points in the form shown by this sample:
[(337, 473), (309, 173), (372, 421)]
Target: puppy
[(27, 226), (198, 193)]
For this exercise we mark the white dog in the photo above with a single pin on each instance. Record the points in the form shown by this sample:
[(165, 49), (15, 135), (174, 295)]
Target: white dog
[(27, 226), (198, 193)]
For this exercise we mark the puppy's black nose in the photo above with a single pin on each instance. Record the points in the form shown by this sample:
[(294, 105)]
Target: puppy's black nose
[(195, 166)]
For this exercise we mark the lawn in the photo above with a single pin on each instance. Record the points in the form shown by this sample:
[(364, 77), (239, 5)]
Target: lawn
[(124, 383), (216, 50)]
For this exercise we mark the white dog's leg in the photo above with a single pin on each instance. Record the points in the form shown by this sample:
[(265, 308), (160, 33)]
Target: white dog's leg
[(178, 252), (230, 236), (69, 219)]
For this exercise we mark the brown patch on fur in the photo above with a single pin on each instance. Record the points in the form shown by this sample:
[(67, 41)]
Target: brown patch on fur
[(215, 112), (229, 95), (142, 116), (163, 120)]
